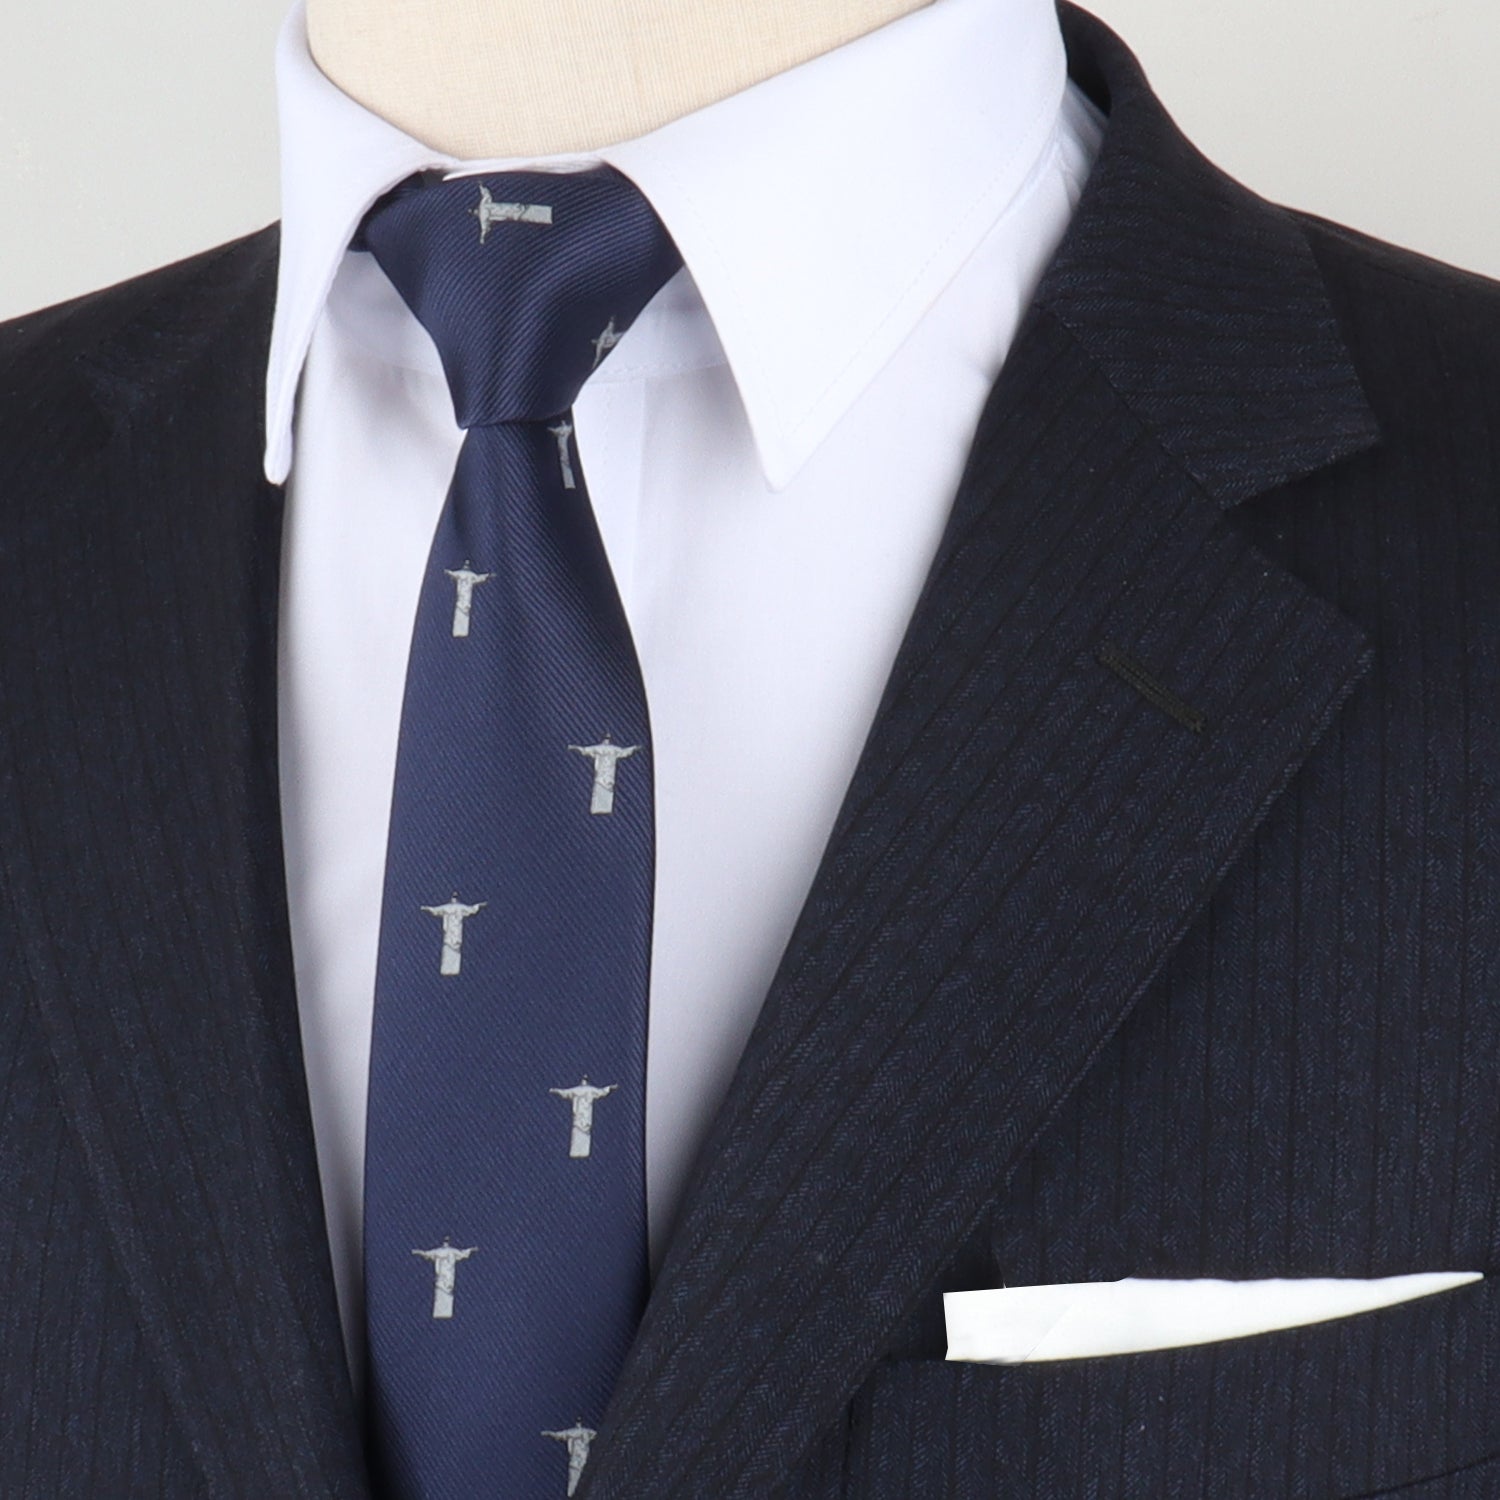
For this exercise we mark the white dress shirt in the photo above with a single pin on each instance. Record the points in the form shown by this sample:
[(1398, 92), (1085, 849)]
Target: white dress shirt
[(772, 451)]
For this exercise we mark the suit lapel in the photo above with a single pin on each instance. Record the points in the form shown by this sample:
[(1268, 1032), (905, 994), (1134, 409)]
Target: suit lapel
[(141, 866), (1101, 694)]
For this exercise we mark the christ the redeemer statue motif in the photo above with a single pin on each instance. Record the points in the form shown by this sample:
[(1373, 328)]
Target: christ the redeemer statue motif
[(463, 604), (454, 914), (577, 1437), (605, 342), (562, 432), (444, 1259), (489, 212), (582, 1097), (606, 756)]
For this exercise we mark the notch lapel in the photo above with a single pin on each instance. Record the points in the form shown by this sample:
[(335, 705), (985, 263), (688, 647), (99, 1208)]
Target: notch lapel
[(140, 868), (1033, 824)]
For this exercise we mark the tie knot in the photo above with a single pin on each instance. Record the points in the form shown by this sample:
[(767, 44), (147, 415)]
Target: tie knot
[(524, 280)]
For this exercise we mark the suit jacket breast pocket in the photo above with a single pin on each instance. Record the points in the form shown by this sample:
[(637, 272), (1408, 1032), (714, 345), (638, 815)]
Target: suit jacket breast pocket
[(1352, 1407)]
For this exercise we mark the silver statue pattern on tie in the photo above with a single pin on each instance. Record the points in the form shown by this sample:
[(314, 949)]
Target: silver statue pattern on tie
[(606, 756), (453, 914), (463, 605), (583, 1096), (445, 1259), (562, 432), (490, 212), (577, 1437), (606, 341)]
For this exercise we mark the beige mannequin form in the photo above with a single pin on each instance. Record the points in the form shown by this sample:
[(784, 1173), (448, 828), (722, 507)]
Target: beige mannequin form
[(500, 78)]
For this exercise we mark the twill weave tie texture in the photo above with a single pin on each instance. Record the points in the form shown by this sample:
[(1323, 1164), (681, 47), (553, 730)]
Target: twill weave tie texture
[(505, 1215)]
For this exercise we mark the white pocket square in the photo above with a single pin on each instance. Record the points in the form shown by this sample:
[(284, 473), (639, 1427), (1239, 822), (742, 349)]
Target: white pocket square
[(1011, 1325)]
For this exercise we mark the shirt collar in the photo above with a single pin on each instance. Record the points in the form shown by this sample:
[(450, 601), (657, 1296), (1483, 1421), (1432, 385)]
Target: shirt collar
[(819, 212)]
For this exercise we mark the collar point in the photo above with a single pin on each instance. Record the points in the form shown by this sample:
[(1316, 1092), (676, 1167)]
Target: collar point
[(278, 459)]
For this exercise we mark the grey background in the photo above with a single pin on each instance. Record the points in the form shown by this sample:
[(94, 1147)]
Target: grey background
[(134, 134)]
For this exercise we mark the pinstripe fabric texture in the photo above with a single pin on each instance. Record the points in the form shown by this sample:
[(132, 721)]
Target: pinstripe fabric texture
[(1084, 988), (63, 1428), (148, 965)]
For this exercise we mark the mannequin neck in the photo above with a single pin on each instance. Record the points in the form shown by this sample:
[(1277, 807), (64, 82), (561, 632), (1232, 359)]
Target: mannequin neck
[(501, 78)]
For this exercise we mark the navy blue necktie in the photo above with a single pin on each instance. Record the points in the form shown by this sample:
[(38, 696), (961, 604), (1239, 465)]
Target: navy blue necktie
[(505, 1215)]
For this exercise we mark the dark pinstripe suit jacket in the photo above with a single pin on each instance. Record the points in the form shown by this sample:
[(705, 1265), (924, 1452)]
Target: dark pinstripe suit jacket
[(1159, 933)]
